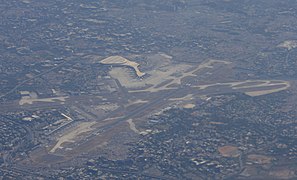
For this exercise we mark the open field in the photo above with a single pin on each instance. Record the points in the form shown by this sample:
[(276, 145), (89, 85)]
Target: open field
[(72, 135), (29, 100)]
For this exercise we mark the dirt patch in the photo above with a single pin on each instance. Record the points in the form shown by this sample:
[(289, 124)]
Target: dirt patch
[(217, 123), (229, 151), (132, 126), (259, 159), (282, 174), (189, 106)]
